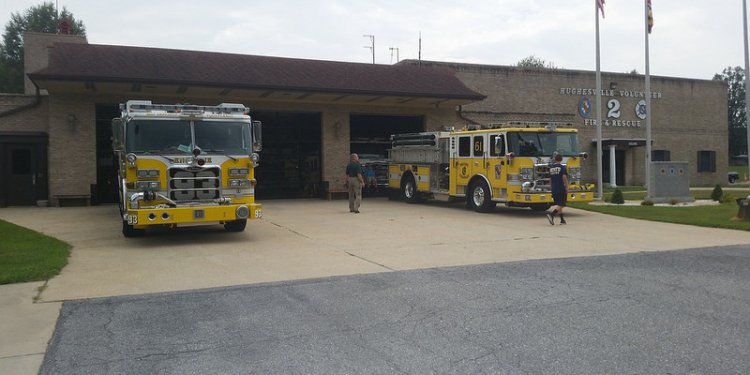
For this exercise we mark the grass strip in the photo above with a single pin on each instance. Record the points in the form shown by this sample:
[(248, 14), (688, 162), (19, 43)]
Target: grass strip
[(712, 216), (26, 255)]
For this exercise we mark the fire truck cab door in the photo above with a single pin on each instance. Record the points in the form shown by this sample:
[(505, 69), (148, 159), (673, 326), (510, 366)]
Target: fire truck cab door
[(497, 165), (479, 154)]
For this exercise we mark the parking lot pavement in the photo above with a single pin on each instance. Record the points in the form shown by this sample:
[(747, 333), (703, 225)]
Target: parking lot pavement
[(681, 312), (299, 239)]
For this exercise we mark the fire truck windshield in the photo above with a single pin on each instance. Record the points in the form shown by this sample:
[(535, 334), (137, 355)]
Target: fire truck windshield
[(224, 137), (543, 144), (158, 136), (176, 136)]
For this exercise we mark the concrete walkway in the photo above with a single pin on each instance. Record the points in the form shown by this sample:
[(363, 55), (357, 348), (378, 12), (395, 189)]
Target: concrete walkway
[(297, 240)]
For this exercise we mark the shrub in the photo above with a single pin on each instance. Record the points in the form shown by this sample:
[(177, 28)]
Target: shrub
[(717, 193), (673, 201), (617, 197), (726, 198), (647, 203)]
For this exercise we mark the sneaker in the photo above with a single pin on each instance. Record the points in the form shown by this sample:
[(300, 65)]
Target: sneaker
[(551, 218), (562, 221)]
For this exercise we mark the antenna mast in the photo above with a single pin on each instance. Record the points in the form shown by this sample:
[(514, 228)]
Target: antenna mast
[(371, 46), (420, 48), (394, 49)]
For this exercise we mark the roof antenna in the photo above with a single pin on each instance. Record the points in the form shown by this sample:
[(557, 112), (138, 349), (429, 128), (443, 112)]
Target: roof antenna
[(394, 49), (420, 47), (372, 47)]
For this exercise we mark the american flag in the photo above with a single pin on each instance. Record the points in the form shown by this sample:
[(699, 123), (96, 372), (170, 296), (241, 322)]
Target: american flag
[(650, 16), (600, 5)]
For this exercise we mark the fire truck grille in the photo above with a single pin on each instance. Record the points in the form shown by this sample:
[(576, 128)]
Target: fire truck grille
[(192, 185), (542, 177)]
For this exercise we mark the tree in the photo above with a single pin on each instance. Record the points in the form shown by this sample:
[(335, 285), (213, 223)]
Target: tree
[(533, 62), (41, 18), (735, 79)]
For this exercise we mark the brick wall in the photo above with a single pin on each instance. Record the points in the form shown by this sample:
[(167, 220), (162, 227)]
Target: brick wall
[(28, 116), (688, 115)]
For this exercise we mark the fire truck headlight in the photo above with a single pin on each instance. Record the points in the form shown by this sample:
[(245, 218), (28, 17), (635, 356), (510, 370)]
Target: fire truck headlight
[(527, 174), (147, 185), (575, 173), (256, 159), (239, 172), (146, 173), (131, 158), (239, 183)]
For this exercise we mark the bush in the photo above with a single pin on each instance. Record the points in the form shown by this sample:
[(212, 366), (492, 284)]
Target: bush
[(717, 193), (673, 202), (647, 203), (617, 197)]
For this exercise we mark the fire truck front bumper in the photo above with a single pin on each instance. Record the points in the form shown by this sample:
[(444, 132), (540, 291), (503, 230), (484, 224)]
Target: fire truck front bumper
[(192, 215), (546, 197)]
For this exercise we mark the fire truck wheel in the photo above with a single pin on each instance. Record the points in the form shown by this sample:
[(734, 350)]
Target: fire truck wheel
[(129, 231), (235, 226), (480, 199), (409, 189)]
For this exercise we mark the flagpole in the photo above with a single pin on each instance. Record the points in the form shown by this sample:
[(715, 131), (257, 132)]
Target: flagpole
[(599, 179), (648, 107), (747, 79)]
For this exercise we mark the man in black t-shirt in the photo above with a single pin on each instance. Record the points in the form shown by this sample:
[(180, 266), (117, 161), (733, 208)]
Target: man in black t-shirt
[(354, 183), (559, 182)]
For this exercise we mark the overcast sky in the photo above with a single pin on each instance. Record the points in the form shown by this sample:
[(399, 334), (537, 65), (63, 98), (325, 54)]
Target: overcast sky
[(690, 38)]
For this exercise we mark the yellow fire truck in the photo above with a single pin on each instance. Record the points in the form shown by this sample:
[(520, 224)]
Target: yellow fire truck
[(508, 164), (186, 165)]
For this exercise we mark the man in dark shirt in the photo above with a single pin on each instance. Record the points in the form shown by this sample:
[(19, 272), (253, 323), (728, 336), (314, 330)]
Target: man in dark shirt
[(559, 181), (354, 182)]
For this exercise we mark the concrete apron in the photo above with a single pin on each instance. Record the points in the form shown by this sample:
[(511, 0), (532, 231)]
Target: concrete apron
[(309, 238), (299, 239)]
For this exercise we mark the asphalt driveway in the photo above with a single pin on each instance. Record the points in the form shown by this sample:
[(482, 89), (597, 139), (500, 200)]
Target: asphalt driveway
[(682, 312)]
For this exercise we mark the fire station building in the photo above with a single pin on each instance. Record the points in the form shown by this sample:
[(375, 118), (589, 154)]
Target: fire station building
[(55, 139)]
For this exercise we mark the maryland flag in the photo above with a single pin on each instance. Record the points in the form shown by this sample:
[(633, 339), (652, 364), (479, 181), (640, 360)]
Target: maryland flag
[(650, 16), (600, 5)]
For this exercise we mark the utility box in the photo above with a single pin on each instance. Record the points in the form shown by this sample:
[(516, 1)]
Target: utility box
[(670, 182)]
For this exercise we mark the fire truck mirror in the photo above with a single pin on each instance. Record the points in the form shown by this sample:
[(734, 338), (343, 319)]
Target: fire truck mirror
[(117, 135), (257, 136), (500, 145)]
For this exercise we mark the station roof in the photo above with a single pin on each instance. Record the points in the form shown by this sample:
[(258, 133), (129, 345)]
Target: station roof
[(97, 69)]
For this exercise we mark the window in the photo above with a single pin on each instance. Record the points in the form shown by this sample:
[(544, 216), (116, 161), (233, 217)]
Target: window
[(493, 141), (464, 146), (159, 136), (706, 161), (660, 155), (543, 144), (478, 145)]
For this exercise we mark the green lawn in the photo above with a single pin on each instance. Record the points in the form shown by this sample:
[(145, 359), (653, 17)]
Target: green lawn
[(714, 216), (26, 255)]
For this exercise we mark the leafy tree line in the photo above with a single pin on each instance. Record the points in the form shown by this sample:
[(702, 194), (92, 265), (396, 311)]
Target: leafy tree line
[(735, 79), (40, 18)]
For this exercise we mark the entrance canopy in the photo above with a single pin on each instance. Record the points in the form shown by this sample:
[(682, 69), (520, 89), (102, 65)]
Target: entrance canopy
[(97, 69)]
